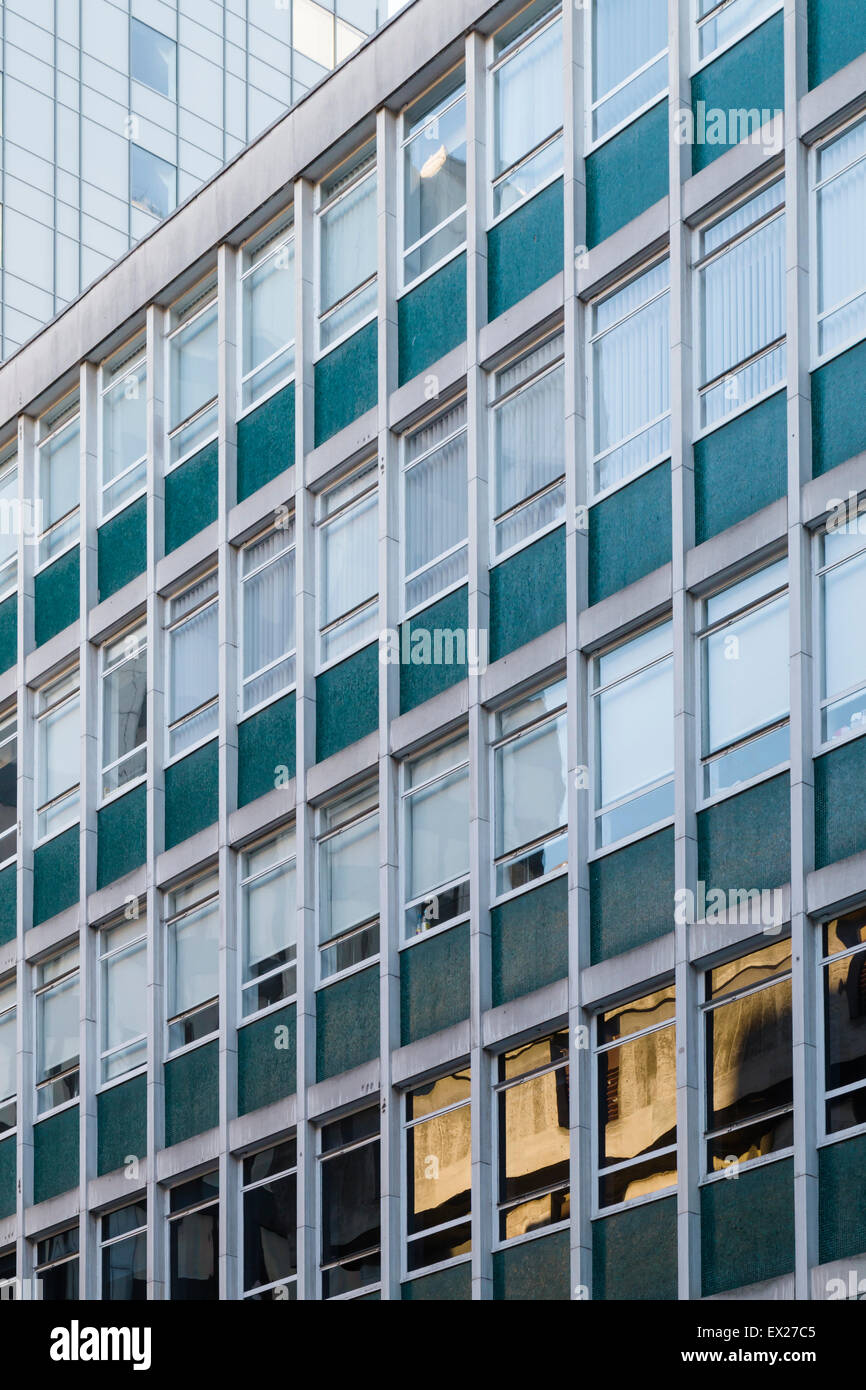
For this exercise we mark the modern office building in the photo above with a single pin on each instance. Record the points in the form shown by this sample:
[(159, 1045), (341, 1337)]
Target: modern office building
[(433, 687), (115, 111)]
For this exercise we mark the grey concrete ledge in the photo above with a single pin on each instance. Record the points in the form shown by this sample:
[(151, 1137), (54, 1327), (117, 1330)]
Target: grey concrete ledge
[(343, 450), (343, 768), (833, 486), (57, 1211), (837, 888), (413, 401), (343, 1092), (39, 941), (189, 1157), (620, 975), (198, 553), (535, 1013), (178, 860), (60, 650), (825, 1279), (780, 1290), (415, 1060), (119, 609), (261, 507), (754, 538), (622, 252), (105, 902), (841, 96), (733, 173), (115, 1188), (8, 684), (262, 814), (438, 715), (271, 1122), (532, 662), (628, 609), (528, 315)]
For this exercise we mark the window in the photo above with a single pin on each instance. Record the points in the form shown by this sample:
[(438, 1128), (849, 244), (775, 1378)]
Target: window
[(57, 1030), (58, 755), (123, 425), (530, 764), (629, 60), (637, 1098), (124, 710), (152, 182), (844, 971), (744, 664), (720, 21), (268, 923), (152, 58), (192, 931), (193, 660), (741, 288), (268, 311), (8, 786), (123, 1240), (8, 1271), (529, 445), (57, 1266), (8, 1055), (435, 507), (348, 252), (436, 829), (841, 212), (193, 1229), (193, 370), (270, 1202), (842, 589), (350, 1187), (527, 105), (10, 522), (533, 1136), (123, 996), (348, 881), (438, 1172), (434, 176), (348, 565), (634, 735), (58, 463), (630, 393), (749, 1057), (268, 615)]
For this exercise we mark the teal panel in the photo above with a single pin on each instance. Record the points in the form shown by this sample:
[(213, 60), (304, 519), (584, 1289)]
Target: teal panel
[(530, 940), (746, 84), (121, 836), (266, 746), (121, 548), (192, 1093), (266, 441), (744, 841), (8, 903), (631, 895), (347, 1023), (747, 1228), (267, 1060), (191, 496), (837, 35), (630, 533), (431, 319), (527, 594), (347, 702), (55, 875), (191, 794), (121, 1125), (434, 649), (55, 1154), (535, 1271), (56, 596), (8, 632), (525, 250), (445, 1286), (838, 419), (8, 1177), (634, 1253), (840, 807), (346, 383), (627, 174), (741, 467), (841, 1209), (434, 984)]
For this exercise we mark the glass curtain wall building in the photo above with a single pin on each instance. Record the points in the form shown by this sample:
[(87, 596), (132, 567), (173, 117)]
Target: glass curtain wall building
[(433, 693)]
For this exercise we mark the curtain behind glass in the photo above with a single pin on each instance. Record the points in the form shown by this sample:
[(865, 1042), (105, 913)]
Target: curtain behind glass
[(194, 662), (530, 440), (844, 601), (349, 878), (528, 97), (350, 561), (125, 999), (59, 473), (348, 243), (631, 382), (743, 300), (437, 515), (8, 1056), (626, 35), (841, 246), (269, 612), (269, 307)]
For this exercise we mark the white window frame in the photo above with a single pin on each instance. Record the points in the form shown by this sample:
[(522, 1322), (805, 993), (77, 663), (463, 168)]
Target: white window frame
[(459, 94), (406, 1124), (321, 1159), (169, 628), (749, 26), (169, 920), (322, 206), (136, 631), (46, 1084), (286, 526), (244, 881), (406, 794), (122, 367), (50, 426), (8, 733), (266, 245), (819, 358), (106, 1241), (203, 1204), (41, 712), (9, 1104), (9, 572), (368, 467), (820, 701), (323, 834), (409, 611), (201, 299), (494, 64), (503, 1205), (828, 1094), (105, 953), (590, 103), (289, 1280)]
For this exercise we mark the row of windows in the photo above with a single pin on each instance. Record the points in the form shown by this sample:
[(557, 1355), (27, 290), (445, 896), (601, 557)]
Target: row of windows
[(747, 1116)]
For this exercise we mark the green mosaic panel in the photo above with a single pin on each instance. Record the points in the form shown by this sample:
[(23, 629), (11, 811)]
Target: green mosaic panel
[(191, 794), (529, 941), (630, 533), (266, 746), (347, 702), (55, 1154), (627, 174), (121, 836), (121, 548), (525, 250), (191, 496), (741, 467), (55, 875), (838, 420), (434, 984), (747, 1228), (192, 1093), (121, 1125), (346, 383), (631, 895), (267, 1060), (749, 77), (347, 1023), (527, 594), (745, 841), (840, 813), (8, 632), (841, 1209), (8, 903), (8, 1177), (445, 1286), (430, 663), (431, 319), (535, 1271), (56, 597), (266, 441), (634, 1254), (837, 35)]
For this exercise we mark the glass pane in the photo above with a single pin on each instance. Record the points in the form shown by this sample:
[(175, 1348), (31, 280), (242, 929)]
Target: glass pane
[(8, 1055), (434, 172), (59, 472), (270, 1222), (528, 98), (269, 613), (747, 674), (124, 1270), (441, 1245), (637, 1014), (348, 243), (438, 834), (531, 1056), (124, 422), (743, 299), (350, 1203), (59, 752), (152, 58), (842, 933), (533, 1135), (193, 366), (627, 34), (437, 516), (124, 712), (152, 182), (637, 1096), (349, 877), (194, 1244), (194, 662), (57, 1028), (10, 524), (750, 1066), (638, 1180), (843, 591), (636, 732), (750, 1141), (60, 1283), (531, 781), (269, 307), (270, 920), (193, 959), (350, 559), (530, 440), (749, 970), (439, 1169), (631, 380), (8, 796), (845, 1020), (124, 999)]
